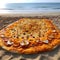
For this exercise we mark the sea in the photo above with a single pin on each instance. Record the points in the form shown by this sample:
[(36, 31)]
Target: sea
[(30, 7)]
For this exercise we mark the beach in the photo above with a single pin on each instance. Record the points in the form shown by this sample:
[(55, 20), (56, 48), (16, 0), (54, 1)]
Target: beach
[(30, 13), (8, 18)]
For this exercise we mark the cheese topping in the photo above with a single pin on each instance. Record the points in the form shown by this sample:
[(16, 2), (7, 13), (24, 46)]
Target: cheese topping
[(28, 29), (25, 42), (53, 30), (9, 42), (46, 41), (2, 35)]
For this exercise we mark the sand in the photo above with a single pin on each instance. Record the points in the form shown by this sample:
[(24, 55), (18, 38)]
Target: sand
[(29, 13), (6, 19)]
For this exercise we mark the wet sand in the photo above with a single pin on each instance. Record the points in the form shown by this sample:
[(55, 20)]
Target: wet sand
[(6, 19)]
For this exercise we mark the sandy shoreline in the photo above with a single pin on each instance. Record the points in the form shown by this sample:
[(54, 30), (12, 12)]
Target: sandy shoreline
[(31, 14)]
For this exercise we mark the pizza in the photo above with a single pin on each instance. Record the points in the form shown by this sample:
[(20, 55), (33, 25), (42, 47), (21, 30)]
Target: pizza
[(30, 35)]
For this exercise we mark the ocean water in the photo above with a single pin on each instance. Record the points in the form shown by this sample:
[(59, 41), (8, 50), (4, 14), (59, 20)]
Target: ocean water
[(31, 7)]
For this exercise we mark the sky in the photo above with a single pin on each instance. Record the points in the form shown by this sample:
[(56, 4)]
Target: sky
[(4, 2), (24, 1)]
